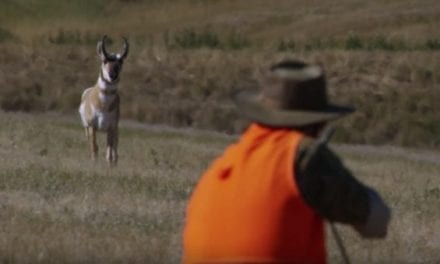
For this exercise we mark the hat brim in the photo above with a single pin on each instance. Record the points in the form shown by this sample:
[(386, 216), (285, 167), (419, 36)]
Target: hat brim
[(251, 107)]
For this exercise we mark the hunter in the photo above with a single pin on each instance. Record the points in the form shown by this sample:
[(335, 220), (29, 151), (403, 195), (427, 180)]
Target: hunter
[(266, 197)]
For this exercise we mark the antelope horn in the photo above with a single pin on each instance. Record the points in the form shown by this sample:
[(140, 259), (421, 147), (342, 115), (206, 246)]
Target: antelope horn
[(125, 48), (104, 51)]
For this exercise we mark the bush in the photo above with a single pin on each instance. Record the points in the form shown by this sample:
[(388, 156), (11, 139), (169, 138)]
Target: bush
[(236, 41), (431, 44), (353, 42), (74, 37), (287, 45), (27, 98), (381, 43), (207, 38), (191, 39), (6, 35)]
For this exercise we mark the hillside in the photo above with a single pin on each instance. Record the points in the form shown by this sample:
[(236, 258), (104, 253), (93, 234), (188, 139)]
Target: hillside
[(257, 19), (188, 56)]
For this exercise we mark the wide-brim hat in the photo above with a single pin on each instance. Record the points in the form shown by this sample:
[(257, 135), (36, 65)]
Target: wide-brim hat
[(293, 94)]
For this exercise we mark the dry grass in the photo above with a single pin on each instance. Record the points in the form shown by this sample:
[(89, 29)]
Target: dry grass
[(408, 180), (48, 57), (396, 94), (57, 207), (261, 20)]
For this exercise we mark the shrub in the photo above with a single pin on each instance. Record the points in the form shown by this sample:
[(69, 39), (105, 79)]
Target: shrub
[(381, 43), (191, 39), (236, 41), (74, 37), (353, 42), (287, 45), (26, 98), (431, 44), (6, 35), (207, 38)]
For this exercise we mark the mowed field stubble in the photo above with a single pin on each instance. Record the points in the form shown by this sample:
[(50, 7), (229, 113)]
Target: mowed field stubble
[(186, 58)]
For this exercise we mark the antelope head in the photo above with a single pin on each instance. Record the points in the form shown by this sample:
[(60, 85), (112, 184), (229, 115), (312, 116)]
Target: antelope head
[(111, 63)]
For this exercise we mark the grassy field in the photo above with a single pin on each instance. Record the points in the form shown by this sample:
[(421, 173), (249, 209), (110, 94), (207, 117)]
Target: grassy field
[(58, 207), (259, 21), (188, 56), (186, 59)]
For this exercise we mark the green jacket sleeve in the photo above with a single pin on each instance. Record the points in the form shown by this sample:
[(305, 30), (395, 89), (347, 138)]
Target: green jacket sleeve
[(328, 187)]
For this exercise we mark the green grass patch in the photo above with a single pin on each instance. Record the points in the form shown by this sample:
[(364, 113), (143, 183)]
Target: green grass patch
[(43, 10), (6, 35), (191, 38), (74, 37), (353, 42)]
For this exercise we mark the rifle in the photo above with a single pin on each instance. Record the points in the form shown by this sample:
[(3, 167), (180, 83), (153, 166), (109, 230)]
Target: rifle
[(322, 140)]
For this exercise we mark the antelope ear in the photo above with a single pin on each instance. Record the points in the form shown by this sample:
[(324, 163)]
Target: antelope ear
[(99, 50)]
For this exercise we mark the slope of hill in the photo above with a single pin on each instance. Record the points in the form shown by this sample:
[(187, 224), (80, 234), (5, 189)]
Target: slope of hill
[(188, 56), (259, 20)]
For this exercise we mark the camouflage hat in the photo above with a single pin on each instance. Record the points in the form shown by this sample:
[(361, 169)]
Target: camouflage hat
[(293, 94)]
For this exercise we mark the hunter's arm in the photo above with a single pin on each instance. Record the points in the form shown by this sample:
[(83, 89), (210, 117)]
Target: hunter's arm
[(332, 191)]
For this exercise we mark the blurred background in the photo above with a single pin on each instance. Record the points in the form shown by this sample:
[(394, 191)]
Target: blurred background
[(188, 56)]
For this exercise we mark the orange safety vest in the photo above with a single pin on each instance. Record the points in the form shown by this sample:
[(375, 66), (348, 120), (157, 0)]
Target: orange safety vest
[(247, 207)]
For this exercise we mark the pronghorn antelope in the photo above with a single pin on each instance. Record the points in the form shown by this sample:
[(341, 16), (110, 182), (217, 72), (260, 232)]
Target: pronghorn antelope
[(99, 107)]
